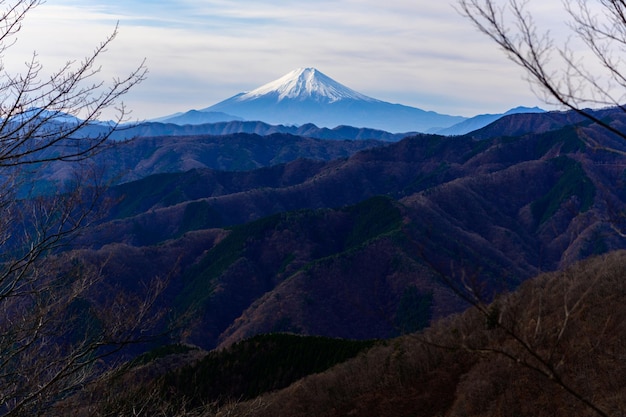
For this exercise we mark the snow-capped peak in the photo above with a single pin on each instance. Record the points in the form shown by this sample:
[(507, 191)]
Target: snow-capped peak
[(305, 83)]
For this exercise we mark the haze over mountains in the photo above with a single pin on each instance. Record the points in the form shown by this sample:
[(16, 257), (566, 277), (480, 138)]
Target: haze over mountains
[(304, 102), (306, 95)]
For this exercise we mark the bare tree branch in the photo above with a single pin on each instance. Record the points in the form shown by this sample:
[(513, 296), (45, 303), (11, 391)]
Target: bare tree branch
[(562, 75), (57, 332)]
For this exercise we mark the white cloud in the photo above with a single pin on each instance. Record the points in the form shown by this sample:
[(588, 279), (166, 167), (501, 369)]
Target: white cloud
[(418, 53)]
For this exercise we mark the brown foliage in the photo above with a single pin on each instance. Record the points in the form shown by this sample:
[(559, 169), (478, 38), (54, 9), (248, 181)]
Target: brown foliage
[(556, 348)]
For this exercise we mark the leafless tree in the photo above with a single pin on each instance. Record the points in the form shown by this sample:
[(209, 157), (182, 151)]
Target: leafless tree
[(545, 328), (590, 75), (55, 331), (586, 71)]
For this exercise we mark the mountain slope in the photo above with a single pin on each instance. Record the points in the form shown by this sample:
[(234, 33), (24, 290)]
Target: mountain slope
[(464, 366), (144, 156), (154, 129), (306, 95), (314, 247), (482, 120), (522, 355), (526, 123)]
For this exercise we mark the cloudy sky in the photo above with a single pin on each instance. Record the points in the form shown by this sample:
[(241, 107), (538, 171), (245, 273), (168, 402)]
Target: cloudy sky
[(415, 52)]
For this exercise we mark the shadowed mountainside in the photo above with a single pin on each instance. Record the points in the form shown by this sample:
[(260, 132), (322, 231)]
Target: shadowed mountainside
[(354, 247), (536, 351), (146, 156), (374, 243), (465, 367)]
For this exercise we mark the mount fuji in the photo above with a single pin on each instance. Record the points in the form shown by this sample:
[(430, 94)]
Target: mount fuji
[(306, 95)]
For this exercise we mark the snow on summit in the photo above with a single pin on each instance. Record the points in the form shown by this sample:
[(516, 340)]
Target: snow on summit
[(305, 83), (306, 96)]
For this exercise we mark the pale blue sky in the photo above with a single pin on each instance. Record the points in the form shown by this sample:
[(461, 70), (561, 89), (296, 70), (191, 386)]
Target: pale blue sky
[(414, 52)]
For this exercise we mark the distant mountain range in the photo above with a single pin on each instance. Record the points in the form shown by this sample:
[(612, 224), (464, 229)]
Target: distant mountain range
[(206, 122), (304, 102), (197, 117), (307, 96), (482, 120), (194, 123), (155, 129)]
